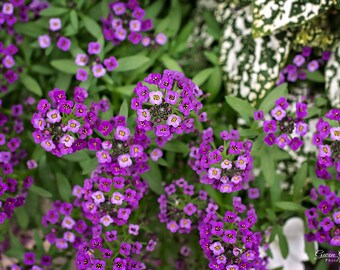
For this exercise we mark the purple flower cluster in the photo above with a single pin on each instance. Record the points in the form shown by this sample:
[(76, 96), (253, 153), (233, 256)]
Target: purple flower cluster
[(13, 11), (229, 242), (92, 60), (164, 105), (327, 140), (30, 261), (63, 43), (324, 220), (8, 73), (301, 63), (13, 185), (62, 126), (227, 168), (177, 209), (126, 21), (286, 126), (111, 194)]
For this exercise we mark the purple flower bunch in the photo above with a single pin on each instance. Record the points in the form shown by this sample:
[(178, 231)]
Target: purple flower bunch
[(8, 73), (286, 125), (181, 206), (126, 21), (324, 220), (30, 261), (301, 63), (13, 11), (62, 126), (92, 60), (13, 183), (229, 241), (227, 168), (55, 26), (327, 140), (114, 249), (110, 195), (164, 105)]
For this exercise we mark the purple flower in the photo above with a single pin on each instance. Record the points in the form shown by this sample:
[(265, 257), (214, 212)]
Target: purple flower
[(55, 24), (156, 154), (313, 65), (174, 120), (94, 48), (103, 156), (48, 145), (64, 44), (124, 161), (161, 39), (190, 209), (216, 248), (122, 133), (156, 97), (29, 258), (81, 75), (111, 63), (278, 113), (98, 70), (299, 60), (117, 198), (81, 59)]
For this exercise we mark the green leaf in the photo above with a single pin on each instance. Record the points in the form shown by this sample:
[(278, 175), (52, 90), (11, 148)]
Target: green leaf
[(212, 57), (268, 168), (126, 90), (74, 19), (16, 246), (240, 106), (214, 83), (154, 178), (89, 165), (31, 84), (40, 191), (38, 243), (202, 76), (315, 76), (299, 181), (65, 65), (77, 156), (283, 243), (64, 187), (162, 162), (53, 11), (131, 62), (213, 26), (29, 29), (92, 27), (170, 63), (290, 206), (154, 9), (22, 217), (269, 101), (124, 109), (310, 250), (177, 146)]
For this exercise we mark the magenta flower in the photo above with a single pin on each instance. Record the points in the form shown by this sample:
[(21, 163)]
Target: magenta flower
[(103, 156), (64, 44), (117, 198), (44, 41), (94, 48), (55, 24)]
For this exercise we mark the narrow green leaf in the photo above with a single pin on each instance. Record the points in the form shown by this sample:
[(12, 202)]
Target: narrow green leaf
[(178, 147), (269, 101), (31, 84), (310, 250), (202, 76), (77, 156), (89, 165), (283, 243), (124, 109), (40, 191), (65, 65), (299, 181), (92, 26), (241, 106), (53, 11), (131, 62), (64, 187), (268, 168), (22, 217), (170, 63), (214, 83), (290, 206), (315, 76), (74, 19), (126, 90), (154, 178)]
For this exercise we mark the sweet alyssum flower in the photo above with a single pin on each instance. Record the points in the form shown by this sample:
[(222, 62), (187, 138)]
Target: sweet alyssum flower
[(327, 140), (14, 182), (127, 21), (301, 64), (226, 168), (165, 104), (286, 125), (181, 206), (324, 220), (9, 74), (62, 125), (92, 61), (55, 26), (230, 242), (33, 261)]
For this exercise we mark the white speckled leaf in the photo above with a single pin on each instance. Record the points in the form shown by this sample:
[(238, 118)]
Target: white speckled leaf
[(271, 15), (251, 66), (332, 76)]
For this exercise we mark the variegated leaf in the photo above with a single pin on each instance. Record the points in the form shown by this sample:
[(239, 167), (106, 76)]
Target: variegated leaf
[(271, 15), (251, 66), (332, 75)]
